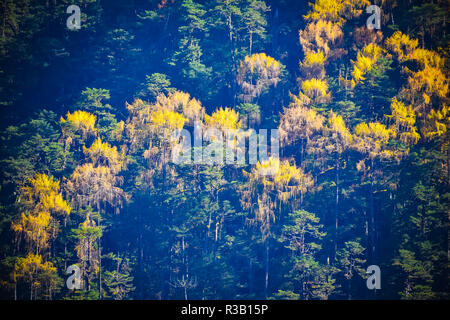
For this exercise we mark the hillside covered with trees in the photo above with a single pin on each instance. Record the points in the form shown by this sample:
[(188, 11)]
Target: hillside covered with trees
[(87, 142)]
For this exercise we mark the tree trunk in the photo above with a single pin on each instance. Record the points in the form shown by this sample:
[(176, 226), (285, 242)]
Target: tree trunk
[(266, 284), (233, 59), (251, 42), (250, 276), (336, 209), (349, 294), (372, 227), (140, 257), (100, 293)]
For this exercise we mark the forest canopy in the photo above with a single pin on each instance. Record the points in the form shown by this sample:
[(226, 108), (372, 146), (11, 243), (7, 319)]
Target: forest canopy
[(356, 171)]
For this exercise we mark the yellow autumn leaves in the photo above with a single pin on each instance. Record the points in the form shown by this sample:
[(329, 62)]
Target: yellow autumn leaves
[(315, 89), (168, 119), (404, 122), (256, 73), (336, 11), (365, 61), (173, 112), (429, 80), (44, 203), (285, 184), (426, 84), (82, 120), (313, 58), (224, 119), (38, 224), (438, 122), (260, 61), (320, 41)]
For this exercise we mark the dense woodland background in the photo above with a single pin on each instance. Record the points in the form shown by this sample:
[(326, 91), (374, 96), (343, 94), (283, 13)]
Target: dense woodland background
[(86, 176)]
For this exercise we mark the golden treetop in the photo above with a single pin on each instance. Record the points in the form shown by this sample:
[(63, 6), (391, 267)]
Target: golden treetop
[(402, 45), (437, 122), (404, 120), (336, 10), (181, 102), (314, 90), (44, 191), (102, 153), (260, 61), (224, 119), (298, 122), (82, 120), (312, 58), (31, 264), (163, 118), (321, 35), (287, 180), (371, 139), (42, 198), (365, 61), (336, 126)]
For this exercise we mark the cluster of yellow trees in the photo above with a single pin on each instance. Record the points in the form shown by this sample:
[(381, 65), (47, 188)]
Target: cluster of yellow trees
[(321, 41), (38, 226), (257, 73)]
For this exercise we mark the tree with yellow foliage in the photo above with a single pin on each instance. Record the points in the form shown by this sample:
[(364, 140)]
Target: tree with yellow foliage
[(365, 61), (182, 103), (96, 187), (403, 122), (167, 119), (227, 122), (43, 203), (371, 140), (257, 73), (101, 153), (324, 36), (425, 84), (338, 139), (96, 184), (336, 11), (39, 225), (151, 126), (41, 275), (81, 121), (428, 83), (437, 123), (298, 124), (315, 91), (313, 65), (163, 124), (264, 193), (223, 119), (401, 45)]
